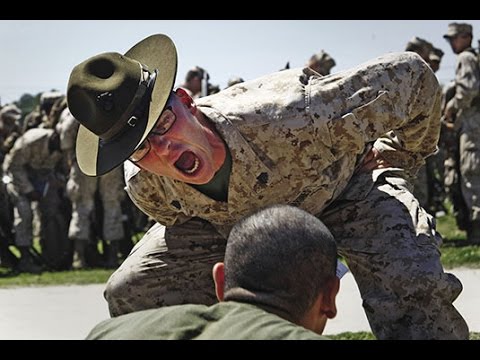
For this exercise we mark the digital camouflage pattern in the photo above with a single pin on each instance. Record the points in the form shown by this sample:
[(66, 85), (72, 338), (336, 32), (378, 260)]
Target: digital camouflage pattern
[(81, 190), (466, 105), (30, 166), (297, 138)]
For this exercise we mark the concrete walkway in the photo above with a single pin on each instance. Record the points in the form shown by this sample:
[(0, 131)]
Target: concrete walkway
[(69, 312)]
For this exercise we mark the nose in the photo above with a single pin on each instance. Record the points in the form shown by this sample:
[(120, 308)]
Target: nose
[(160, 145)]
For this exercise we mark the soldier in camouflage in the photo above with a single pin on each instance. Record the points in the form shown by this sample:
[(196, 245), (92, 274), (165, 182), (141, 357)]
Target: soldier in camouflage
[(196, 82), (9, 128), (321, 62), (41, 114), (234, 80), (9, 132), (463, 110), (435, 58), (338, 147), (81, 192), (31, 166), (427, 186)]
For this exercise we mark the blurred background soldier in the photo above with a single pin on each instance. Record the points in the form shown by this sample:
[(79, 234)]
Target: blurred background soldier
[(463, 111), (435, 164), (428, 183), (9, 132), (82, 190), (41, 113), (434, 58), (31, 166), (196, 82), (9, 128), (321, 63), (421, 47), (234, 80)]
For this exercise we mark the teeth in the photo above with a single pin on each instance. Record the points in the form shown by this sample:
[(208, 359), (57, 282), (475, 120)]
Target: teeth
[(195, 167)]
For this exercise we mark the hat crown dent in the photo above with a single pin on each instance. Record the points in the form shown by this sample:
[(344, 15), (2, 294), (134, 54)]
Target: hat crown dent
[(101, 89)]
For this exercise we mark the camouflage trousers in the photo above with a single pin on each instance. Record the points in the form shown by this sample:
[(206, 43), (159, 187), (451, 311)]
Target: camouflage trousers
[(388, 240), (81, 192), (470, 171)]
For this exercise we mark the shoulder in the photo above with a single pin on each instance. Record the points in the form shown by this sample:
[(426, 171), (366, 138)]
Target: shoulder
[(262, 100), (467, 57), (35, 135), (138, 180), (164, 323), (240, 321)]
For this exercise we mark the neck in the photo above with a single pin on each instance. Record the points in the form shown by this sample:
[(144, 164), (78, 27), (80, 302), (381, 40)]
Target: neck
[(216, 141)]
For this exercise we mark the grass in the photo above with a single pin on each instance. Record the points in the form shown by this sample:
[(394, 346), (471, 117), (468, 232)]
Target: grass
[(456, 252), (72, 277), (364, 335)]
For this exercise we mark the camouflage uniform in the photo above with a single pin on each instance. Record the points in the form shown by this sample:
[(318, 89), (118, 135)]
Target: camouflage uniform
[(465, 104), (81, 190), (321, 63), (9, 128), (424, 183), (297, 138), (31, 166), (9, 132), (234, 81)]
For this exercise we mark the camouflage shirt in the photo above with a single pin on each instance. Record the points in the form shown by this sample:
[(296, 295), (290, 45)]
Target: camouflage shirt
[(467, 80), (295, 138), (29, 155)]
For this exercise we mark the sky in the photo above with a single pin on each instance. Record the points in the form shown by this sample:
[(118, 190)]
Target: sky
[(38, 55)]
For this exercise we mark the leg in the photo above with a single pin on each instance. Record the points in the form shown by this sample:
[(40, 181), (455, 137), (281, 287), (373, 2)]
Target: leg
[(392, 249), (80, 191), (167, 267), (111, 193), (470, 181)]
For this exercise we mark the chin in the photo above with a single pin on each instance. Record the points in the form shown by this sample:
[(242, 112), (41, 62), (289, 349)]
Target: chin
[(199, 179)]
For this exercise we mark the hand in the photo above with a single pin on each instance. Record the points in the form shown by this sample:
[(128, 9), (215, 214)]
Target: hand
[(374, 160), (450, 112), (33, 196), (447, 125)]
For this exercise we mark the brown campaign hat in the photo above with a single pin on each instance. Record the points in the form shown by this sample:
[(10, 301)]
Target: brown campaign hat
[(117, 99)]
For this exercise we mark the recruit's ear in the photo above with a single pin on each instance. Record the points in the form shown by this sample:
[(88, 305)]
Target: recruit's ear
[(219, 279)]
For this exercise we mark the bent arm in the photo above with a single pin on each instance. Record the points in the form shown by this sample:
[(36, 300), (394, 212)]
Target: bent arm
[(393, 100), (14, 165)]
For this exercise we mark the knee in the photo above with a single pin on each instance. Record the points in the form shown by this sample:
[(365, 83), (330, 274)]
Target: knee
[(118, 293)]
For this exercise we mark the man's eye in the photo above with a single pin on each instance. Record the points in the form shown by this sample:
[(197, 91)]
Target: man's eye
[(142, 146), (166, 121)]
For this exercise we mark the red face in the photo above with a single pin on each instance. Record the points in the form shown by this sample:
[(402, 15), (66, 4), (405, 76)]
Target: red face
[(181, 146)]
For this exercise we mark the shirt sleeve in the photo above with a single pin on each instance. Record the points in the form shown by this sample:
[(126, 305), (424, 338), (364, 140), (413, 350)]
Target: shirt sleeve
[(467, 81), (15, 163)]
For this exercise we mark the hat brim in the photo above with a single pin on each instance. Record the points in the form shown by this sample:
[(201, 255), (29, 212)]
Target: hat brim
[(96, 157)]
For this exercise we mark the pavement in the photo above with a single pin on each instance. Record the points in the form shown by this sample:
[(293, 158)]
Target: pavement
[(70, 312)]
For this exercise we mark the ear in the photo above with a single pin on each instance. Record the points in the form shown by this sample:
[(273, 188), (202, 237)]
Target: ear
[(329, 306), (186, 100), (218, 273)]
